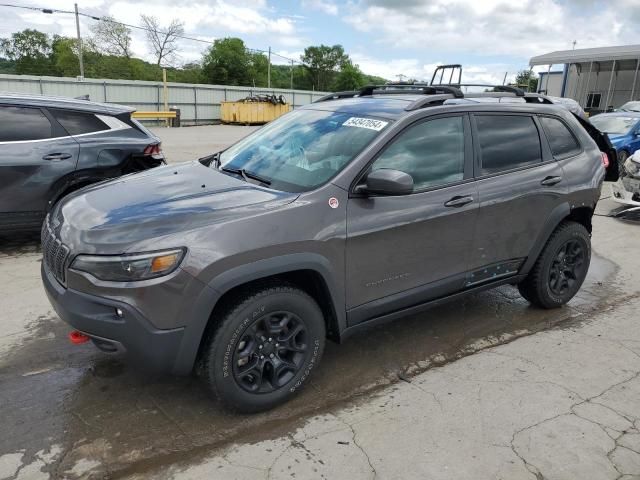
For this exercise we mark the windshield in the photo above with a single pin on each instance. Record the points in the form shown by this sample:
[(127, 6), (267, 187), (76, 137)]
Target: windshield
[(302, 149), (614, 125), (631, 107)]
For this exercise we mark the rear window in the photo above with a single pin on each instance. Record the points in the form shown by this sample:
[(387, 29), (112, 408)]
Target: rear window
[(507, 142), (561, 140), (22, 124), (77, 123)]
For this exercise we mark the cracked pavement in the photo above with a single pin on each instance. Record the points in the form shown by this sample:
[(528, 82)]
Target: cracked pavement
[(485, 388)]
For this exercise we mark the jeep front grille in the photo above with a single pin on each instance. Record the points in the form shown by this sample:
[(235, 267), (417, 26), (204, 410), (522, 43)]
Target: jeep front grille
[(54, 253)]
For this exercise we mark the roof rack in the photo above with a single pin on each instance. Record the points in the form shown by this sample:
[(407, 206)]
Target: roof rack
[(454, 68), (415, 88)]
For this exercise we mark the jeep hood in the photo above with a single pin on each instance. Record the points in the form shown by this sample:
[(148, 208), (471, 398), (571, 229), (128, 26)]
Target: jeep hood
[(109, 216)]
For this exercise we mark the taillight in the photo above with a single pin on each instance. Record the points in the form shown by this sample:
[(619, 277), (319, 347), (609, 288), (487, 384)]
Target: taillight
[(605, 159), (153, 149)]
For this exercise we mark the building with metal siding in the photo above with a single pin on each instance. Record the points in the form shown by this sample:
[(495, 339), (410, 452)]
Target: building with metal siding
[(600, 79)]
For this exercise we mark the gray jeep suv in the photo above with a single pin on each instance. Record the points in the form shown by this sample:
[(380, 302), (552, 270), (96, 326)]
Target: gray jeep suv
[(51, 146), (336, 216)]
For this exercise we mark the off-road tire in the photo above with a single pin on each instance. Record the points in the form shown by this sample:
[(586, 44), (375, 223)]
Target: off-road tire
[(236, 321), (536, 287)]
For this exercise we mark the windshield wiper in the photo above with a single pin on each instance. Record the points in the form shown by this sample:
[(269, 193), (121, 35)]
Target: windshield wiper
[(246, 174)]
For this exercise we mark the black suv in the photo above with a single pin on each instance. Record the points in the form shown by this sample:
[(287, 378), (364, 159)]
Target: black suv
[(51, 146), (338, 215)]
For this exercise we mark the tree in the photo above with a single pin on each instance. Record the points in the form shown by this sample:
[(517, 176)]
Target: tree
[(322, 63), (112, 38), (227, 62), (526, 78), (163, 43), (349, 78), (30, 50)]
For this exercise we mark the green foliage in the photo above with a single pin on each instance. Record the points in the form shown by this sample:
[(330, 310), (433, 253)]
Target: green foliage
[(111, 37), (227, 62), (323, 63), (349, 78), (30, 50), (7, 66), (527, 78)]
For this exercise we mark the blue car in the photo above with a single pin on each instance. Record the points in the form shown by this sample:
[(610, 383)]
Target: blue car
[(623, 129)]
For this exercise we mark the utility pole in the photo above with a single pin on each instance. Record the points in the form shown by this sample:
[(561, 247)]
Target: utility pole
[(504, 80), (79, 43), (291, 81), (269, 70), (400, 77)]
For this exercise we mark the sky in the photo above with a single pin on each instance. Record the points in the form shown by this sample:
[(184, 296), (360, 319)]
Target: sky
[(384, 37)]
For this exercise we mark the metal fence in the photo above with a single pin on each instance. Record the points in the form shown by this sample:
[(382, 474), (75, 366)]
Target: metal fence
[(198, 104)]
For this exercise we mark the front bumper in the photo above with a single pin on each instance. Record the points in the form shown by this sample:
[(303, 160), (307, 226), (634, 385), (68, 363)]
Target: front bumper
[(131, 334), (623, 192)]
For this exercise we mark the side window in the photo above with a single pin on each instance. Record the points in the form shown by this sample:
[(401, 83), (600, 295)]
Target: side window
[(507, 141), (432, 152), (19, 124), (561, 140), (77, 123)]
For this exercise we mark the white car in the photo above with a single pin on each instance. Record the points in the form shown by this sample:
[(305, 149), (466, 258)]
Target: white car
[(627, 189)]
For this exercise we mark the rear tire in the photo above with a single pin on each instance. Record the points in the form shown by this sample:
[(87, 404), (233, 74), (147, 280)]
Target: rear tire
[(561, 267), (268, 341)]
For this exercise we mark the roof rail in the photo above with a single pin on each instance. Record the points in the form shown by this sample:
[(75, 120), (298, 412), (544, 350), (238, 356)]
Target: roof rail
[(415, 88), (498, 88), (429, 101), (337, 96)]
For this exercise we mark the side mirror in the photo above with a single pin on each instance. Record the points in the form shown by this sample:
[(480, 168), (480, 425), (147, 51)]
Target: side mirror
[(387, 181)]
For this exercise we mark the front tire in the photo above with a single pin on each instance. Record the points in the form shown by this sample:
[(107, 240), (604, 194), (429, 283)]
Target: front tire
[(268, 341), (560, 269)]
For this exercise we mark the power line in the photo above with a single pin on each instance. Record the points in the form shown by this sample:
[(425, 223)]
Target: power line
[(137, 27)]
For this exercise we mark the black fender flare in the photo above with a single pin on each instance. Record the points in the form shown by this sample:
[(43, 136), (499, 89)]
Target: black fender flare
[(211, 293), (559, 213)]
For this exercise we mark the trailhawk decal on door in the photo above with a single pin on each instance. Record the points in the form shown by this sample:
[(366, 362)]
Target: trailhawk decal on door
[(369, 123)]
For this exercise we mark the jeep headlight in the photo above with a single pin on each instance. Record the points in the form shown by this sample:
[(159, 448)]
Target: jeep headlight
[(129, 268)]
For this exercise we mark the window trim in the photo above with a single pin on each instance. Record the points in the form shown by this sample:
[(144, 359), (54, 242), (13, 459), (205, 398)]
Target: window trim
[(561, 120), (545, 153), (53, 124), (468, 158)]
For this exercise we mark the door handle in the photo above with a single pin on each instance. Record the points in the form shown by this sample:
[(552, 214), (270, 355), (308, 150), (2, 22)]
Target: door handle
[(549, 181), (56, 156), (459, 201)]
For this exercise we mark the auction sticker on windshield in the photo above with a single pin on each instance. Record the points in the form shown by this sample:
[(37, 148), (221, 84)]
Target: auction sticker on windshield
[(369, 123)]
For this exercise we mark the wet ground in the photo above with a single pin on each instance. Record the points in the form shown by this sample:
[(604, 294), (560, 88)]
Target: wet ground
[(74, 403)]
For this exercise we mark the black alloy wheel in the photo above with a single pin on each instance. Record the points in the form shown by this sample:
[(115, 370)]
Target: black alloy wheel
[(270, 352), (567, 267)]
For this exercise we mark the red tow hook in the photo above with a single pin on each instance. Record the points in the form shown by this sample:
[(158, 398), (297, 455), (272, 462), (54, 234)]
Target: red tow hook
[(77, 337)]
